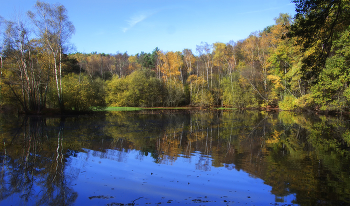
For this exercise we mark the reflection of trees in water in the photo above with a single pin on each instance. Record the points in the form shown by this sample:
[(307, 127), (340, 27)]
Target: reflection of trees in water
[(292, 153), (224, 136), (168, 136), (33, 165), (308, 157), (204, 163), (120, 155)]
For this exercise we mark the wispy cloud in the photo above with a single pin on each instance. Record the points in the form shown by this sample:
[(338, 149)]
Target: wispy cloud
[(134, 20)]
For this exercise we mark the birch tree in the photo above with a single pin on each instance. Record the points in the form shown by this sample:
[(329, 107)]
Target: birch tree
[(23, 75), (54, 30), (205, 54)]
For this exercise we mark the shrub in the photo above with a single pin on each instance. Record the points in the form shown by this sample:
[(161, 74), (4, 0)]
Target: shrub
[(81, 93), (288, 103)]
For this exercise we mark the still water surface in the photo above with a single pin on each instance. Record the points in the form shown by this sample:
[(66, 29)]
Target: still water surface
[(176, 158)]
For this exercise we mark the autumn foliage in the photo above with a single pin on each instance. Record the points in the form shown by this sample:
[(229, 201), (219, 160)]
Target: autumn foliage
[(299, 63)]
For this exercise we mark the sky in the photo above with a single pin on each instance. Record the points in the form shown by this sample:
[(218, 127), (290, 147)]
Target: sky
[(133, 26)]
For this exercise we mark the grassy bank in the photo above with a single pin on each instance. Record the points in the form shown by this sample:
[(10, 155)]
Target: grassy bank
[(122, 109), (141, 108)]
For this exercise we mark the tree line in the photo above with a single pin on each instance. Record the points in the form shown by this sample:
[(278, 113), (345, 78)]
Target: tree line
[(297, 63)]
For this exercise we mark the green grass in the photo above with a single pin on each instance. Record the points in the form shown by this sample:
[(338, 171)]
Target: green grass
[(122, 109), (117, 109)]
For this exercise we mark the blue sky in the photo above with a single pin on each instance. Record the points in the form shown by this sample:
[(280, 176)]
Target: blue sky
[(132, 26)]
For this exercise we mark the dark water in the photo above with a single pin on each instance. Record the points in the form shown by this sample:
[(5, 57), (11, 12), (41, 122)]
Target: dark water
[(175, 158)]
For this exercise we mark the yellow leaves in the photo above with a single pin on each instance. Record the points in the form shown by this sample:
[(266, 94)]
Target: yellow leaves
[(219, 53), (133, 65), (243, 81), (169, 145), (317, 46), (275, 37), (132, 59), (192, 78), (288, 103), (276, 80), (198, 81), (305, 101), (170, 64), (275, 137), (223, 56)]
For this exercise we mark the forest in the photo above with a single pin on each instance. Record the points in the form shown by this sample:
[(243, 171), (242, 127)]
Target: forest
[(299, 63)]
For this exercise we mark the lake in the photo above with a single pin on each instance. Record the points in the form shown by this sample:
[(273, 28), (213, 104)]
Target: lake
[(171, 157)]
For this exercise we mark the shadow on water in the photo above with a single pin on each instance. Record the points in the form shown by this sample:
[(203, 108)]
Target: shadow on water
[(299, 159)]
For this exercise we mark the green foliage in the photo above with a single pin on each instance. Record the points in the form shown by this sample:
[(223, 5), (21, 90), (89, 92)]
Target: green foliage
[(115, 89), (80, 93), (318, 24), (346, 137), (148, 60), (296, 64), (203, 98), (8, 91), (332, 90), (175, 93), (201, 95), (288, 118), (141, 88), (288, 103), (236, 95)]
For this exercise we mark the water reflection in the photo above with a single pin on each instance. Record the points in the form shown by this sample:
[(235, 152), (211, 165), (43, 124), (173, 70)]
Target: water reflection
[(32, 165), (189, 157)]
